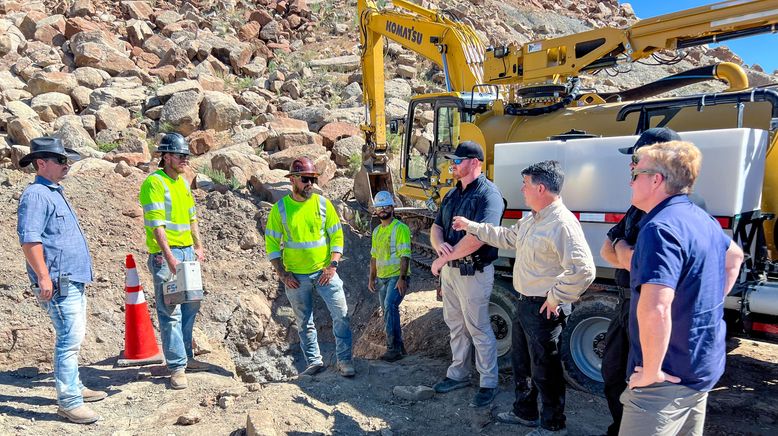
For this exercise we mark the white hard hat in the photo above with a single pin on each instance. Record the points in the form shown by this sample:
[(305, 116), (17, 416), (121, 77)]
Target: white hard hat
[(383, 198)]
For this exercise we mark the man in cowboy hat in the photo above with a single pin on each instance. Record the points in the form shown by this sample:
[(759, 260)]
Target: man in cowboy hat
[(309, 228), (172, 236), (59, 266)]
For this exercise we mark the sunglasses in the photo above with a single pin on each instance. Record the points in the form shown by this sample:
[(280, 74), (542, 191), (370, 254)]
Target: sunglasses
[(180, 156), (636, 173), (459, 160), (307, 179), (62, 160), (383, 208), (635, 159)]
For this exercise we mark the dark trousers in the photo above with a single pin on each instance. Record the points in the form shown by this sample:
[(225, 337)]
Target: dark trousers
[(537, 365), (614, 364)]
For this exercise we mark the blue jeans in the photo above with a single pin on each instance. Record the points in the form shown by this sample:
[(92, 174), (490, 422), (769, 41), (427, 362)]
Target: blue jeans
[(389, 298), (176, 321), (301, 300), (68, 314)]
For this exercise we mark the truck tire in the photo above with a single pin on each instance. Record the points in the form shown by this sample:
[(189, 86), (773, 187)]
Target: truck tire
[(583, 341), (502, 312)]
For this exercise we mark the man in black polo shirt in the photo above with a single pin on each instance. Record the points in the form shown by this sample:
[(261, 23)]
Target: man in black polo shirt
[(465, 267)]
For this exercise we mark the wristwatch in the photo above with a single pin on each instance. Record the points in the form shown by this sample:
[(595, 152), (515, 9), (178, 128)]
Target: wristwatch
[(334, 264), (615, 241)]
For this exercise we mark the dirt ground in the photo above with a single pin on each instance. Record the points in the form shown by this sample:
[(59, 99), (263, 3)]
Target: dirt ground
[(140, 402), (246, 332)]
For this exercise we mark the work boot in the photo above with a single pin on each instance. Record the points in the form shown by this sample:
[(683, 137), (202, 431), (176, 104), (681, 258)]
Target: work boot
[(91, 396), (540, 431), (511, 418), (80, 415), (346, 368), (449, 384), (193, 365), (392, 355), (313, 369), (484, 397), (178, 379)]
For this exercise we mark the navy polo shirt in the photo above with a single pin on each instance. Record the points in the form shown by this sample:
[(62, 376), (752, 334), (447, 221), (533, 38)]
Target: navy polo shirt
[(481, 202), (682, 247)]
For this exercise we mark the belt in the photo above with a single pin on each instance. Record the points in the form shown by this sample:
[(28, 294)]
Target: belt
[(533, 299), (625, 293), (455, 263)]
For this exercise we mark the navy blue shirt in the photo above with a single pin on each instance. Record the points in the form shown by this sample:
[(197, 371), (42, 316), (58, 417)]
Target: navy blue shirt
[(45, 216), (481, 202), (681, 247)]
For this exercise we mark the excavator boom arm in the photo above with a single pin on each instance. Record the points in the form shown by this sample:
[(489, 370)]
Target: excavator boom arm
[(557, 59)]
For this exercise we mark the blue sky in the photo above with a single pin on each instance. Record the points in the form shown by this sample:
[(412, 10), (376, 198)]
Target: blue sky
[(753, 49)]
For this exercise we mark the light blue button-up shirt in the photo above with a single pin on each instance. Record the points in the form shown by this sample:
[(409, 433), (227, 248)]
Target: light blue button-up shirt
[(45, 216)]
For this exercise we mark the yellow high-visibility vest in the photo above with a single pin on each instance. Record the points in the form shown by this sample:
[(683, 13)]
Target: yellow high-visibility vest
[(168, 203), (303, 233), (389, 245)]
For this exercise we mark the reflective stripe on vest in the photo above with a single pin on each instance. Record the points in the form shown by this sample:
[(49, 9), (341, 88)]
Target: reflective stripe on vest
[(323, 231), (168, 211), (393, 259)]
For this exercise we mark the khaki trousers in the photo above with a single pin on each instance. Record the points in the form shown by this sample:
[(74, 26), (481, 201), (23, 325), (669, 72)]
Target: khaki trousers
[(665, 409), (466, 312)]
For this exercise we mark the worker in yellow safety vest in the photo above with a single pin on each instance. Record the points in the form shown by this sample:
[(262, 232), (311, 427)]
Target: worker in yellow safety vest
[(172, 236), (304, 241), (390, 257)]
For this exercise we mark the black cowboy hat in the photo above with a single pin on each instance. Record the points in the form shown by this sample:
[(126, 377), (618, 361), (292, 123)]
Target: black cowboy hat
[(47, 147)]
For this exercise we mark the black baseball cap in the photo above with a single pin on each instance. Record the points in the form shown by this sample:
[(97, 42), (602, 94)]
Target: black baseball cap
[(467, 150), (654, 135)]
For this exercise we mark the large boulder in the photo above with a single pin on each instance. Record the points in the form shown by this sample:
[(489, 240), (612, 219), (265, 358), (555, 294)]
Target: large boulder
[(201, 141), (317, 153), (73, 135), (52, 105), (165, 92), (254, 102), (398, 88), (91, 78), (20, 110), (55, 81), (182, 111), (271, 185), (138, 32), (132, 149), (22, 131), (345, 148), (94, 49), (315, 116), (11, 38), (336, 131), (238, 161), (9, 81), (139, 10), (254, 137), (219, 111), (121, 91), (112, 117)]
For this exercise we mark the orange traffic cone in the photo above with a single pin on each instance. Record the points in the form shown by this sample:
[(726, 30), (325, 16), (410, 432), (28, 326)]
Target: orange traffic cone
[(140, 345)]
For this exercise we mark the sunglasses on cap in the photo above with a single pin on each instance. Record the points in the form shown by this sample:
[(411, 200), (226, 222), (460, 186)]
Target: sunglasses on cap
[(307, 179)]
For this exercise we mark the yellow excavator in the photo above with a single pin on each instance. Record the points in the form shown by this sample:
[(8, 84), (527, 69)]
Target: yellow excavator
[(527, 102)]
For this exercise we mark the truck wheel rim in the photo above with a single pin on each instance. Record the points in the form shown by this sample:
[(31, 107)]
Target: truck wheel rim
[(501, 325), (586, 345)]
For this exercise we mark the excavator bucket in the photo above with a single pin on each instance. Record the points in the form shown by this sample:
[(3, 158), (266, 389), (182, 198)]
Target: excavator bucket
[(368, 183)]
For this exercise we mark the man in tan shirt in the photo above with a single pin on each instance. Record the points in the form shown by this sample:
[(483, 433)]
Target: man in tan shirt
[(553, 267)]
